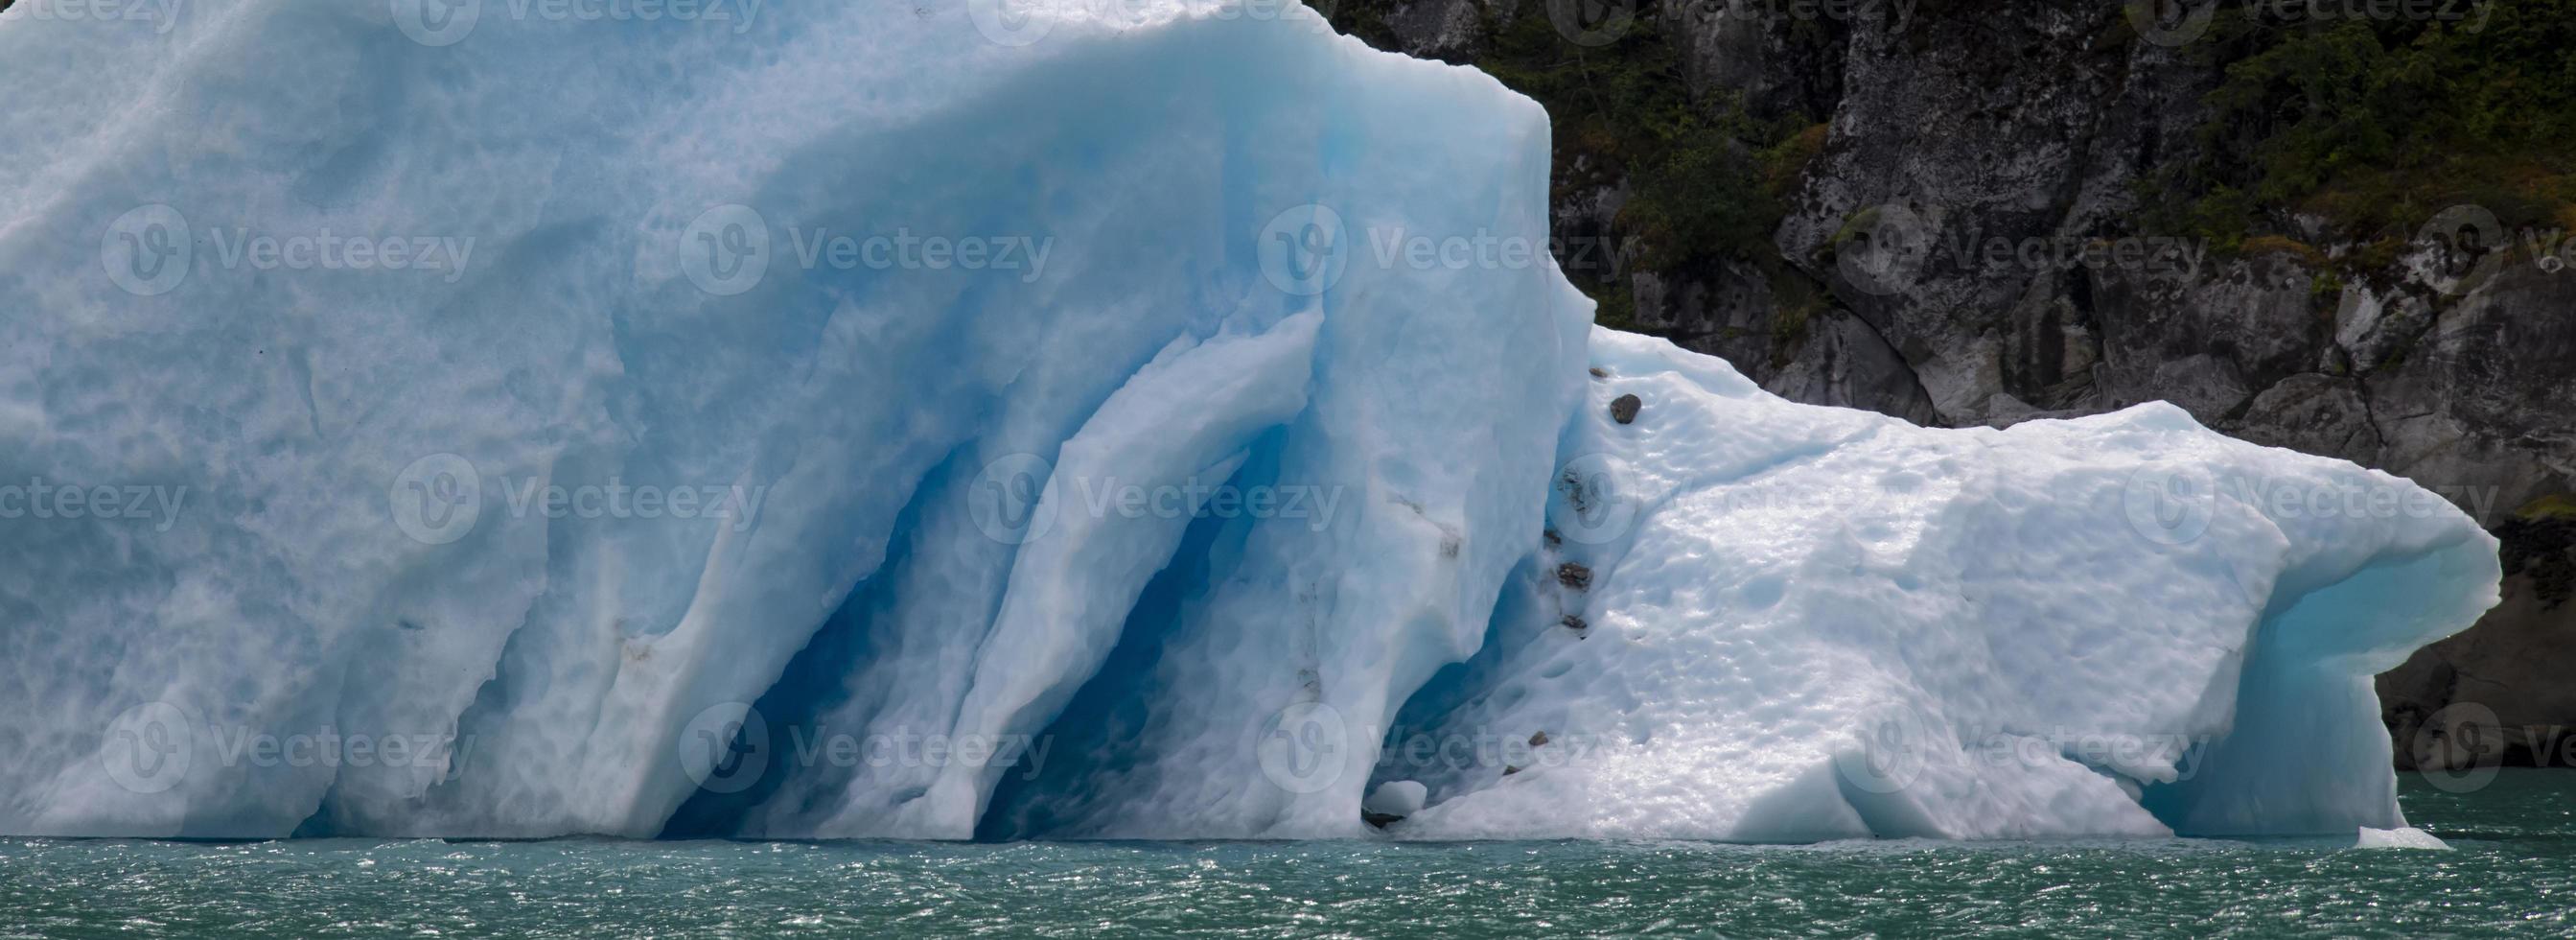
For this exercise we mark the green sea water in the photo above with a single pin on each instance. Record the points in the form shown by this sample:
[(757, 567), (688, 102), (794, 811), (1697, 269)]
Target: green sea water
[(2511, 871)]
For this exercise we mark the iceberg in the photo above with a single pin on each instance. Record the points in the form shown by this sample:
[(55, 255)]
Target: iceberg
[(946, 421), (1760, 621)]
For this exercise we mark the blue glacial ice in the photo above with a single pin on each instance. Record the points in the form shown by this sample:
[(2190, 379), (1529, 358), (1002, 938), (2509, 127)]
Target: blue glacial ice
[(906, 420)]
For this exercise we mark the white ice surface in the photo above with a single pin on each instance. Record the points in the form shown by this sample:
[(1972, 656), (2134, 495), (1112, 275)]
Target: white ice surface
[(2407, 838), (575, 660), (923, 469), (1812, 623)]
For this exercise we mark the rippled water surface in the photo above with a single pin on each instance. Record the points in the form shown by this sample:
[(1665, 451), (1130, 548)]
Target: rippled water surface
[(2512, 870)]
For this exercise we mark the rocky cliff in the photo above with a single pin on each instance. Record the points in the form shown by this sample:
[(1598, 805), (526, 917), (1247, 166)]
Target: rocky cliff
[(1986, 213)]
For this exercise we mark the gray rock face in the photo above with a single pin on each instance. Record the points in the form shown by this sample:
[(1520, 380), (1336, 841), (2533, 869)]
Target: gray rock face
[(1844, 362), (1979, 146), (1816, 353), (1751, 48), (2209, 343), (1448, 30), (2317, 414)]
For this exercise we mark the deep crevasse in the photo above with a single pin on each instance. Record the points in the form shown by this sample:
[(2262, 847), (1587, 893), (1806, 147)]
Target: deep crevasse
[(1209, 212)]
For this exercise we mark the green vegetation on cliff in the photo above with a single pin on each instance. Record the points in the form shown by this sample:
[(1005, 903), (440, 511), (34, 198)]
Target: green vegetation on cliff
[(2375, 125), (2379, 125)]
